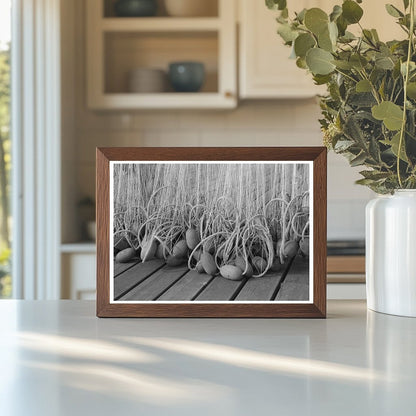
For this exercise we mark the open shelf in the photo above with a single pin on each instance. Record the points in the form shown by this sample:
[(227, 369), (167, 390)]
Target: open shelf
[(210, 10), (87, 247), (167, 100), (160, 24), (126, 51), (118, 45)]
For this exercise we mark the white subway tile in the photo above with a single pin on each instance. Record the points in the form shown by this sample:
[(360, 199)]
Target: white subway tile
[(168, 138), (202, 120), (156, 119)]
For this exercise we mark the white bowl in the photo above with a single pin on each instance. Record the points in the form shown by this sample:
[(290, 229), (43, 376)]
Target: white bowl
[(191, 8), (147, 80)]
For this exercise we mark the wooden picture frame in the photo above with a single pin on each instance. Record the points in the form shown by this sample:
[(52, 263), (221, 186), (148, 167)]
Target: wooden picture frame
[(113, 163)]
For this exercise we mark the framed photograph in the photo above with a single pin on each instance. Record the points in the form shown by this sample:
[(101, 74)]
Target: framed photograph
[(211, 232)]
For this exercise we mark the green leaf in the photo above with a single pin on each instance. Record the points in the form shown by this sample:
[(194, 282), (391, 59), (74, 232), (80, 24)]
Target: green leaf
[(358, 61), (365, 182), (303, 43), (316, 20), (384, 62), (321, 79), (343, 145), (368, 36), (333, 32), (411, 90), (388, 112), (353, 131), (394, 145), (375, 35), (301, 63), (374, 175), (301, 15), (342, 25), (363, 86), (393, 11), (358, 160), (412, 67), (287, 33), (344, 65), (347, 37), (351, 11), (374, 150), (336, 12), (406, 4), (325, 42), (319, 61)]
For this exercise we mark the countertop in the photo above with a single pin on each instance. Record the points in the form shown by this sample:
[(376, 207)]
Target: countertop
[(57, 358)]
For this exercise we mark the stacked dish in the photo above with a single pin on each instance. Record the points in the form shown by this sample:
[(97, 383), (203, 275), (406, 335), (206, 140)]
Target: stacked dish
[(147, 80)]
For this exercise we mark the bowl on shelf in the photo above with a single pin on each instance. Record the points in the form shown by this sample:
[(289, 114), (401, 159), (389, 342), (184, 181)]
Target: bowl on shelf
[(147, 81), (135, 8), (191, 8), (186, 76)]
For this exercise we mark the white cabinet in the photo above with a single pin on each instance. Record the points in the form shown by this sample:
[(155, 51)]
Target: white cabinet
[(78, 264), (265, 69), (118, 45)]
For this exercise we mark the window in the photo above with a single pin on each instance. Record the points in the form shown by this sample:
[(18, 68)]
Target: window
[(5, 145)]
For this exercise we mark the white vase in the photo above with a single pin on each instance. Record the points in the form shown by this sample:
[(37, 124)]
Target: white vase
[(391, 253)]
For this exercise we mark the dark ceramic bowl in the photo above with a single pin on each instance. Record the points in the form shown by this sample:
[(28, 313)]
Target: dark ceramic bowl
[(135, 8), (186, 76)]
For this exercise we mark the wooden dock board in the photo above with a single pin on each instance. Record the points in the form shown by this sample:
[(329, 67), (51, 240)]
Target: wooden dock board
[(154, 281), (122, 267), (296, 284), (133, 276), (156, 284), (260, 288), (188, 287), (221, 289)]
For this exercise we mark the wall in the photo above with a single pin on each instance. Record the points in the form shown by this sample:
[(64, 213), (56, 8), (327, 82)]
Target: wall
[(256, 123)]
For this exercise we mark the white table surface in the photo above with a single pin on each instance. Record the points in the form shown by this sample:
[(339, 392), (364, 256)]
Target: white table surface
[(57, 358)]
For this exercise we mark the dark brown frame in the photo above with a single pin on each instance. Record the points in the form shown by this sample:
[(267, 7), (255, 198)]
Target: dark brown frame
[(317, 309)]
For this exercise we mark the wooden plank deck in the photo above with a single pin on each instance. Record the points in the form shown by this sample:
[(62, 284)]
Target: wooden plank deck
[(155, 281), (122, 267), (126, 281), (296, 283)]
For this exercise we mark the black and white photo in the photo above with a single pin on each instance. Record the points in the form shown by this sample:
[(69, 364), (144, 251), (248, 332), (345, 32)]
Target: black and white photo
[(211, 231)]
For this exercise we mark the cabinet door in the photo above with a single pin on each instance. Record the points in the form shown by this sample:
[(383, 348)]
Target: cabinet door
[(78, 276), (265, 68), (376, 17)]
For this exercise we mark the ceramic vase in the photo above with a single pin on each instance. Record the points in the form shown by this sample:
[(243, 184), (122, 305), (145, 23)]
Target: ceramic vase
[(391, 253)]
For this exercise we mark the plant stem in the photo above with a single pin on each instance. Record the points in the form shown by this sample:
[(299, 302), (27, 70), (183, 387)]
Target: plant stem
[(406, 80)]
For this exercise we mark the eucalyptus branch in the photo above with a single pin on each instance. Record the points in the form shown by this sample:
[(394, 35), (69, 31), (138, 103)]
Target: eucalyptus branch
[(406, 80), (346, 75), (373, 88), (370, 64)]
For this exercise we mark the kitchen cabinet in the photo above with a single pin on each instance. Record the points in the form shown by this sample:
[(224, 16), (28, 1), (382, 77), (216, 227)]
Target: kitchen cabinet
[(78, 264), (118, 45), (265, 70)]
